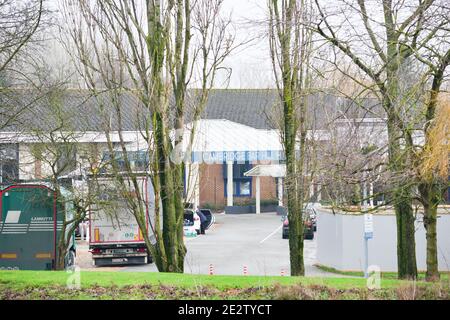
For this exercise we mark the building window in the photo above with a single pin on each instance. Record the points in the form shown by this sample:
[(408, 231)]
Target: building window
[(138, 161), (118, 161), (242, 185), (245, 188), (141, 160), (9, 163)]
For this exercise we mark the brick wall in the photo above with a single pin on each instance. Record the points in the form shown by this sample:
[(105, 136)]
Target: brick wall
[(211, 184), (212, 188)]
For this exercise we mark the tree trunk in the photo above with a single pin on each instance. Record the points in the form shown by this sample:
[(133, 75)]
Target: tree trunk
[(430, 223), (430, 199), (406, 246), (167, 172), (63, 245), (290, 86), (402, 195), (179, 207), (295, 216), (402, 201), (296, 241), (170, 178), (61, 252)]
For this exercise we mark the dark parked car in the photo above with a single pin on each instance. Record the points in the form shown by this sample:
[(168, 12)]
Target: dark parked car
[(311, 212), (308, 232), (313, 217), (209, 218)]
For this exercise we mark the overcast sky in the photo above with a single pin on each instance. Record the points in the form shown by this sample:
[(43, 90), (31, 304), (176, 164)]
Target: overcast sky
[(250, 64)]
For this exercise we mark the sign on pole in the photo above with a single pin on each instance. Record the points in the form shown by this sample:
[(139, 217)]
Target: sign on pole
[(368, 226), (368, 234)]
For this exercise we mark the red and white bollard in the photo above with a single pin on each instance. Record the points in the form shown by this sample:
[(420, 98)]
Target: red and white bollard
[(283, 273), (245, 270), (211, 269)]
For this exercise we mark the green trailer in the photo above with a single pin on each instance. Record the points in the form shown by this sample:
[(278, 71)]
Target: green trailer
[(31, 220)]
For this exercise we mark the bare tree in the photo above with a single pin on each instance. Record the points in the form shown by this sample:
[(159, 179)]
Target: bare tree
[(380, 45), (352, 161), (290, 48), (147, 49), (59, 158), (20, 22), (432, 159)]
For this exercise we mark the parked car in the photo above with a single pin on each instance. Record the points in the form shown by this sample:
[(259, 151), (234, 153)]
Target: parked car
[(191, 221), (210, 219), (308, 232), (313, 216), (311, 211)]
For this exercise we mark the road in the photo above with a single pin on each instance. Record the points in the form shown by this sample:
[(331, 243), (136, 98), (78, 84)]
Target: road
[(235, 241)]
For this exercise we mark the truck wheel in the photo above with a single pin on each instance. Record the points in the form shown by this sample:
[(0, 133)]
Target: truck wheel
[(149, 259), (70, 259)]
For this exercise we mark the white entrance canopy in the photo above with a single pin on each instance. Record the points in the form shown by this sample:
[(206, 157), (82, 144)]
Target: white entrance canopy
[(223, 141), (267, 170)]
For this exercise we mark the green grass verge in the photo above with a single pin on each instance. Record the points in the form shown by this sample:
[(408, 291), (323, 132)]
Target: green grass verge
[(148, 285), (91, 278), (384, 275)]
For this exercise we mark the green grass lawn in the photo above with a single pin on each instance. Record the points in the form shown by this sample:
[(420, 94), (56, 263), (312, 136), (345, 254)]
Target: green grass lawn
[(149, 285), (90, 278), (384, 275)]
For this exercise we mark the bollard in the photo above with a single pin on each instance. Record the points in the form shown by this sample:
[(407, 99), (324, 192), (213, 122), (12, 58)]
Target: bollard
[(282, 272), (211, 269)]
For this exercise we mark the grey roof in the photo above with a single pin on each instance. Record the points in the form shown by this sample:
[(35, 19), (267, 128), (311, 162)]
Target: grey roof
[(79, 110), (259, 108), (74, 109), (248, 107)]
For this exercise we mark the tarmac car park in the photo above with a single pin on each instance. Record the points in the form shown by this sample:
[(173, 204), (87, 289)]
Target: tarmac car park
[(232, 242)]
